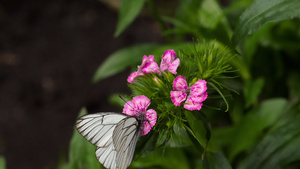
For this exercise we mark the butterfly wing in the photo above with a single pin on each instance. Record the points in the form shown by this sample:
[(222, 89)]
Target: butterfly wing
[(114, 134), (98, 128), (107, 156), (125, 137)]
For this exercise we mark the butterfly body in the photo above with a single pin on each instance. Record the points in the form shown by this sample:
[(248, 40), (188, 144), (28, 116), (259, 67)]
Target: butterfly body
[(114, 134)]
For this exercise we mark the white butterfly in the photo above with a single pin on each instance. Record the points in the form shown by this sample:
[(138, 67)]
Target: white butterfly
[(114, 134)]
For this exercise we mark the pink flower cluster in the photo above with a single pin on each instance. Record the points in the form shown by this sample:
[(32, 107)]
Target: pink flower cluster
[(138, 107), (192, 95), (168, 62)]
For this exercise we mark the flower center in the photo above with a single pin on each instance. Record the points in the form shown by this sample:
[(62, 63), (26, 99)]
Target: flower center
[(187, 91)]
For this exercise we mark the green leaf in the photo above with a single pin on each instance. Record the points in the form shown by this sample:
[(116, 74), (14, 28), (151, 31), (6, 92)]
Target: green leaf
[(128, 12), (146, 144), (166, 158), (82, 152), (293, 86), (201, 128), (253, 124), (121, 59), (277, 149), (180, 138), (115, 99), (252, 89), (203, 19), (215, 160), (131, 56), (161, 49), (261, 12), (2, 163)]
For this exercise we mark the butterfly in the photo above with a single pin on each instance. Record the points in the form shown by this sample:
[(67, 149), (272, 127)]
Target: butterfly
[(114, 134)]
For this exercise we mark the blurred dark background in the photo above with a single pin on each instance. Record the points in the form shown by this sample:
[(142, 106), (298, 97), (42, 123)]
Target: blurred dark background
[(49, 51)]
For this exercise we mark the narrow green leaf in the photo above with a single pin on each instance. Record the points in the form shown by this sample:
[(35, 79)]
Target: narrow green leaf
[(277, 149), (220, 93), (128, 12), (215, 160), (261, 12), (252, 125), (121, 59), (2, 163)]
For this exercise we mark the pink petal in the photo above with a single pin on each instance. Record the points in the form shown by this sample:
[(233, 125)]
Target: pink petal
[(168, 57), (173, 66), (192, 105), (180, 83), (145, 128), (198, 88), (129, 108), (200, 98), (178, 97), (151, 116), (141, 104), (133, 77), (151, 67), (146, 60), (163, 66), (151, 58)]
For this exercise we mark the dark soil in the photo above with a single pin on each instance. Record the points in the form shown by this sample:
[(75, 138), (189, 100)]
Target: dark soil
[(49, 51)]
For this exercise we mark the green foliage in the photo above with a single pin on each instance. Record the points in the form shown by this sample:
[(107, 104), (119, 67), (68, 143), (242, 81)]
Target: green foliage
[(254, 123), (119, 60), (81, 153), (130, 57), (128, 12), (214, 160), (167, 158), (252, 90), (278, 148), (251, 117), (261, 12), (2, 162)]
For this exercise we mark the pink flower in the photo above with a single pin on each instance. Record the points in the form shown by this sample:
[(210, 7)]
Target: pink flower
[(133, 77), (193, 96), (148, 66), (169, 62), (138, 107)]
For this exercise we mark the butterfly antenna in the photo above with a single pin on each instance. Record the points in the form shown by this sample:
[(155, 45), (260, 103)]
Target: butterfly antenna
[(126, 102)]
